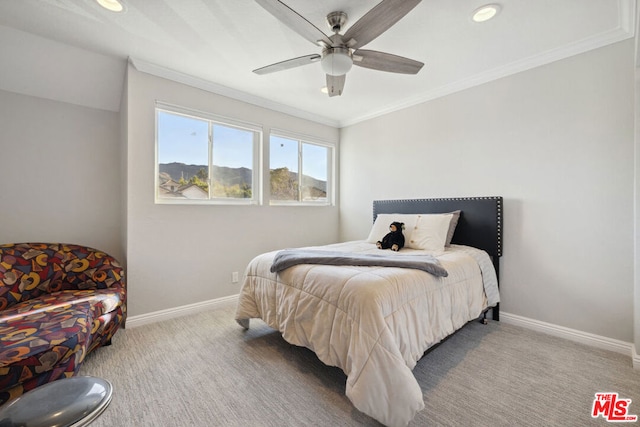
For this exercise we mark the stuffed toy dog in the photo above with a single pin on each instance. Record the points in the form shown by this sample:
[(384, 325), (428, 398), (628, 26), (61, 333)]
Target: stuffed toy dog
[(393, 240)]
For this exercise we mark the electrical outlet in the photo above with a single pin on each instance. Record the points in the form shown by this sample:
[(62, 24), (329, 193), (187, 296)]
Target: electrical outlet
[(234, 277)]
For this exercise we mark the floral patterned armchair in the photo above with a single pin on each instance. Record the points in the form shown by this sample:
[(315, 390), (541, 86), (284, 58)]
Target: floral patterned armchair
[(58, 302)]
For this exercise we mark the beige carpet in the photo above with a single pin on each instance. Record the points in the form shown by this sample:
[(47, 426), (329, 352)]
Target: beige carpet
[(204, 370)]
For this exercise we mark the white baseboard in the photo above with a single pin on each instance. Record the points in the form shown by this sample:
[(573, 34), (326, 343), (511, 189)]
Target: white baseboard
[(170, 313), (571, 334), (593, 340)]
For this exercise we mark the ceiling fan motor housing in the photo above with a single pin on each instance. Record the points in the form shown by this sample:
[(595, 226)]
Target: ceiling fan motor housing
[(337, 59)]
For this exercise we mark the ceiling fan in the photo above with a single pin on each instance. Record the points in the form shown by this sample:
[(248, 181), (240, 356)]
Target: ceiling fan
[(341, 51)]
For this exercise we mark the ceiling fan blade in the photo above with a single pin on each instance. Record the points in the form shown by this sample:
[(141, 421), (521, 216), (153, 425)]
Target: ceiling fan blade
[(296, 22), (385, 62), (377, 21), (289, 63), (335, 84)]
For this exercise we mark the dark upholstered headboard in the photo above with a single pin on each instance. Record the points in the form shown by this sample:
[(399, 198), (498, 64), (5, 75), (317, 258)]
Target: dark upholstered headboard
[(480, 223)]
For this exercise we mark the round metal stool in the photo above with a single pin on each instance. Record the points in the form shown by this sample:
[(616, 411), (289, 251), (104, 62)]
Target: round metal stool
[(75, 401)]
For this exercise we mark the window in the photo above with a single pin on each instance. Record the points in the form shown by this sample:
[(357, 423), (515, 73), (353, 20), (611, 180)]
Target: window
[(300, 171), (205, 159)]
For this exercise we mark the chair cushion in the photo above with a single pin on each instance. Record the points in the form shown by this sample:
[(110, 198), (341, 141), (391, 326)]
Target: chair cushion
[(34, 344), (41, 334)]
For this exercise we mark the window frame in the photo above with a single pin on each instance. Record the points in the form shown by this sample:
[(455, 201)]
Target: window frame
[(331, 168), (213, 119)]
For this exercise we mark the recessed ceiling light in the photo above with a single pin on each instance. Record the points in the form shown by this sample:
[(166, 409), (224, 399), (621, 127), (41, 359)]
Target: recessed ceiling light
[(112, 5), (486, 12)]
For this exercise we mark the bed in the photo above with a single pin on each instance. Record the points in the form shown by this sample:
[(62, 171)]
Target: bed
[(376, 316)]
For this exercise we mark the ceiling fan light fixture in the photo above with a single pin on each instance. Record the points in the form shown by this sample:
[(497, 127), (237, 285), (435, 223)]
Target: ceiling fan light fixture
[(336, 61), (112, 5), (485, 13)]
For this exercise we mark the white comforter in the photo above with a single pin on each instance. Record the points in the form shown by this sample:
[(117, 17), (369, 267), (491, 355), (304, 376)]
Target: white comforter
[(374, 323)]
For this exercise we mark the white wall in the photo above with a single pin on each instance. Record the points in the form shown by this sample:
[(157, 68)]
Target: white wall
[(184, 254), (557, 143), (59, 173), (636, 303)]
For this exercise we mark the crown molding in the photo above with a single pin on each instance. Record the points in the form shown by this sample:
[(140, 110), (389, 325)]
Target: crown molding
[(624, 30), (176, 76)]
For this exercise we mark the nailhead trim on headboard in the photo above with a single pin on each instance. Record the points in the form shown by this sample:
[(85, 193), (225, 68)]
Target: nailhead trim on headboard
[(499, 223)]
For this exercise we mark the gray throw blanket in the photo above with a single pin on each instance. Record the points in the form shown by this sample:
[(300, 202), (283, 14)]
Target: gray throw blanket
[(290, 257)]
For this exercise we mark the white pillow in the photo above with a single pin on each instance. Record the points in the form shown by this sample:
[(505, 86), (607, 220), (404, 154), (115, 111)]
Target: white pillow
[(430, 232), (383, 221)]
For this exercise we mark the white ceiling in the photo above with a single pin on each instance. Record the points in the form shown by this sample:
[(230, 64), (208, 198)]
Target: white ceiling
[(75, 51)]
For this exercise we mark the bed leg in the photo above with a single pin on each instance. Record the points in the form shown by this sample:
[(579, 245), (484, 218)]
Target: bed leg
[(243, 322), (484, 320)]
